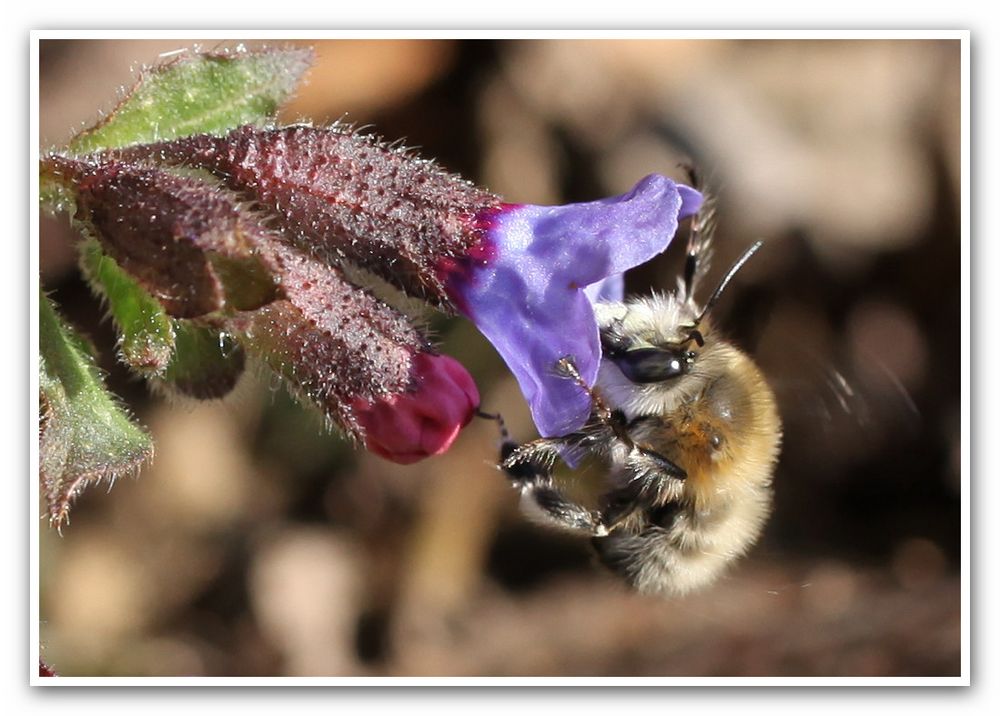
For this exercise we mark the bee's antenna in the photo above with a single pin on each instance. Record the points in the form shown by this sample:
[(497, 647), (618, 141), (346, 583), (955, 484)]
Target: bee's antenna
[(713, 299)]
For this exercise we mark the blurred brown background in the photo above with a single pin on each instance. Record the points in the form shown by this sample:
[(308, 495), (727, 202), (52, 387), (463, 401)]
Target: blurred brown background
[(258, 545)]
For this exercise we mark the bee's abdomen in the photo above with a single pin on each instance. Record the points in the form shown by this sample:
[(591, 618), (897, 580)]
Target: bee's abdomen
[(688, 549), (650, 563)]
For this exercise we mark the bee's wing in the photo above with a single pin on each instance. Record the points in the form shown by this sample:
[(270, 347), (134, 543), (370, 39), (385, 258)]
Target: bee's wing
[(841, 409)]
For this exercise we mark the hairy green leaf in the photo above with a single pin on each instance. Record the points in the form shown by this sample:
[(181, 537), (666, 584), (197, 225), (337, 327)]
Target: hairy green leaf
[(86, 436), (198, 93), (145, 331)]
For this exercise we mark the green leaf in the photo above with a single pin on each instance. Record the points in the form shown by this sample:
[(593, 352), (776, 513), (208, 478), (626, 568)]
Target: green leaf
[(207, 362), (205, 93), (145, 331), (85, 434)]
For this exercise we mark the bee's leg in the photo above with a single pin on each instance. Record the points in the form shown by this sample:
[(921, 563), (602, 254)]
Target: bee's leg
[(652, 466), (651, 480), (642, 458), (638, 493), (529, 468), (651, 473), (613, 419), (546, 501), (700, 234)]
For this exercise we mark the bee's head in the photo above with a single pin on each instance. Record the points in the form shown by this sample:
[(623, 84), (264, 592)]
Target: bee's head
[(660, 339), (644, 362)]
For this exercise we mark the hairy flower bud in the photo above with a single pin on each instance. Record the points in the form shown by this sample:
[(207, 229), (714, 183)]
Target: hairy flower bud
[(198, 251)]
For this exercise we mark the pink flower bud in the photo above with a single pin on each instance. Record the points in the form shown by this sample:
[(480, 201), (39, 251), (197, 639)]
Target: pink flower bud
[(424, 421)]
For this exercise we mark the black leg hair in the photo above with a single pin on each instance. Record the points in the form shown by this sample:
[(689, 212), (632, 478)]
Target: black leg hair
[(529, 469), (700, 234), (555, 507), (646, 487)]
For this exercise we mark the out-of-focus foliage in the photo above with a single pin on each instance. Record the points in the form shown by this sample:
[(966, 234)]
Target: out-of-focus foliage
[(205, 92), (85, 435), (147, 333)]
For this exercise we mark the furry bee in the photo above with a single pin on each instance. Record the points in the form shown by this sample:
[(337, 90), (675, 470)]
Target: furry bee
[(688, 427)]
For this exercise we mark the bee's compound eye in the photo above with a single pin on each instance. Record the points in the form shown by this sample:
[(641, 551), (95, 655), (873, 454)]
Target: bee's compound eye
[(650, 365)]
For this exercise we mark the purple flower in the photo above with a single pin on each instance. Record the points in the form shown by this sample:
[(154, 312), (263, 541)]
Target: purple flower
[(525, 275), (530, 285)]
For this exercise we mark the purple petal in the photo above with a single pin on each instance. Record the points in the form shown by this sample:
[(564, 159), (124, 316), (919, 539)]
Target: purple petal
[(611, 289), (529, 299)]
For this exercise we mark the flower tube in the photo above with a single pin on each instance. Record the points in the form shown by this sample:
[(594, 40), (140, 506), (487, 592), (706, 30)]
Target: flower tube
[(345, 196)]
